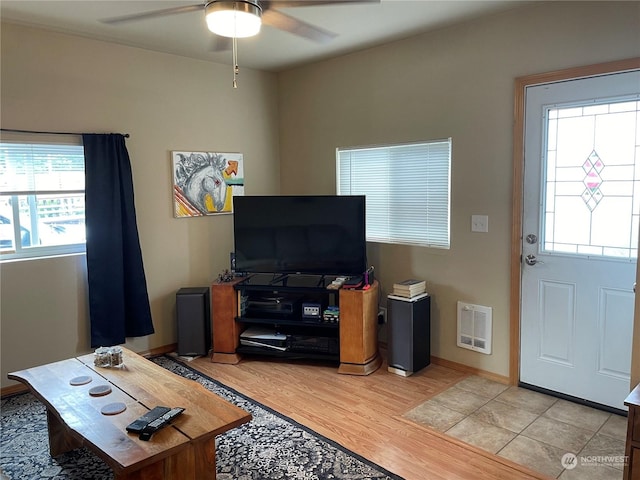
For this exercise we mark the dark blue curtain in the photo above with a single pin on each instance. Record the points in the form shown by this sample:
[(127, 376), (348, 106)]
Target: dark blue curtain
[(118, 298)]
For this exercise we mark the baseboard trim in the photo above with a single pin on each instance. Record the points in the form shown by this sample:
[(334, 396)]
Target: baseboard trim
[(13, 390), (461, 367), (154, 352), (471, 370)]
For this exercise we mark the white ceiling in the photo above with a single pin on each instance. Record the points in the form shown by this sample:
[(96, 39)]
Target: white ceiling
[(358, 26)]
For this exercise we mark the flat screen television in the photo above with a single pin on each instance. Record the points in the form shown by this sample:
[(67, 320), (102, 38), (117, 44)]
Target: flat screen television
[(310, 234)]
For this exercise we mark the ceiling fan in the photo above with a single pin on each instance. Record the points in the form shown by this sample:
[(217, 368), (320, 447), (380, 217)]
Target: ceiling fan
[(242, 18), (233, 19)]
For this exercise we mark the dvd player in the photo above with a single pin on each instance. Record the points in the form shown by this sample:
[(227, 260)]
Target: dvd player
[(274, 305)]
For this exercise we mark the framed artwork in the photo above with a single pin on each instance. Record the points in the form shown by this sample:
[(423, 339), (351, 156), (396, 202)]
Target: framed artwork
[(204, 183)]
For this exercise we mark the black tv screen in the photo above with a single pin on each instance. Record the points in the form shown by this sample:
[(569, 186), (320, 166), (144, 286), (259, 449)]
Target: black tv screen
[(311, 234)]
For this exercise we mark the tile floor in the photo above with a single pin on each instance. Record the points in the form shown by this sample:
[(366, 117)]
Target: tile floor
[(529, 428)]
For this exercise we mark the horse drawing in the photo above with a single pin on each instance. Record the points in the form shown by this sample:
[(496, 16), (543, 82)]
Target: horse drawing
[(206, 180)]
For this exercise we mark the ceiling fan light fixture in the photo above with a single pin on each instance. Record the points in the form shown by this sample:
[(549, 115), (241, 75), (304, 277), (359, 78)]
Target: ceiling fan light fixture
[(237, 19)]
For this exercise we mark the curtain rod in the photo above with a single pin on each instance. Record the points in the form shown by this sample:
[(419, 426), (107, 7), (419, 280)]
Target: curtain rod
[(126, 135)]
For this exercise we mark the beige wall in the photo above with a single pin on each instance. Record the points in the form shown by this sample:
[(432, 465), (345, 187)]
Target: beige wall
[(456, 82), (59, 82)]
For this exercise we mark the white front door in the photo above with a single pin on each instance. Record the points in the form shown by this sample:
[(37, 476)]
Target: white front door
[(581, 216)]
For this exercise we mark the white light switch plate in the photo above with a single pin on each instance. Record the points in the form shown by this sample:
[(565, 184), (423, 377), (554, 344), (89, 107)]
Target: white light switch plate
[(480, 223)]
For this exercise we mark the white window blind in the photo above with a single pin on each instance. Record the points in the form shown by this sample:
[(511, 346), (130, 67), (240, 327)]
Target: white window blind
[(42, 184), (406, 187), (36, 168)]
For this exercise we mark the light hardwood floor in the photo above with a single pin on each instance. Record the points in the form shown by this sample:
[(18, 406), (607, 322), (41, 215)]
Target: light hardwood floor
[(364, 414)]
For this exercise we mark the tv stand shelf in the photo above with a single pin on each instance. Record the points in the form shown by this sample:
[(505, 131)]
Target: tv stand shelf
[(287, 323), (325, 357), (288, 283), (356, 331)]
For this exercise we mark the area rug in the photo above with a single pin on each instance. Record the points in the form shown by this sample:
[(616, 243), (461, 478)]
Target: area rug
[(271, 446)]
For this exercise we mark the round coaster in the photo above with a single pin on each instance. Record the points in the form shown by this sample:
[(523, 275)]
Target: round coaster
[(100, 390), (82, 380), (113, 408)]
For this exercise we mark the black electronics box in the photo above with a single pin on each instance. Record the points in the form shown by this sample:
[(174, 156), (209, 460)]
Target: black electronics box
[(312, 311), (309, 344), (275, 305)]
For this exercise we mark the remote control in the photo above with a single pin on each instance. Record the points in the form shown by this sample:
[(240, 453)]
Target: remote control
[(138, 425), (159, 423)]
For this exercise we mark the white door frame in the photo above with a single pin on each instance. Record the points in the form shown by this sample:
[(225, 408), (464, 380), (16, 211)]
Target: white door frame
[(521, 83)]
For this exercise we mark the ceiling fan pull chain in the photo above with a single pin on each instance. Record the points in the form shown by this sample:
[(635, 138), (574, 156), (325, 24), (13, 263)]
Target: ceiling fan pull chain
[(235, 62)]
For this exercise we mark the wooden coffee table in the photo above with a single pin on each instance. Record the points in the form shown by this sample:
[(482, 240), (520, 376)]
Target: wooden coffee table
[(183, 450)]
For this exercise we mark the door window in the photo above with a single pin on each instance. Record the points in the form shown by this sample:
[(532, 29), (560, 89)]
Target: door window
[(592, 186)]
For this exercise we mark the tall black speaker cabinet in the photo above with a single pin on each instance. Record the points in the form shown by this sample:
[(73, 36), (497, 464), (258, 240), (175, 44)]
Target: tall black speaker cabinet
[(194, 321), (409, 333)]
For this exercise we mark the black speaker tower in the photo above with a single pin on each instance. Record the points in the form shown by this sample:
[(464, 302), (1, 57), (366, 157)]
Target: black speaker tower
[(194, 321), (409, 344)]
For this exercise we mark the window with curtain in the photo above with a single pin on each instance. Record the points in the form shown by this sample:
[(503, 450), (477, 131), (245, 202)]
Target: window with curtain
[(407, 189), (42, 202)]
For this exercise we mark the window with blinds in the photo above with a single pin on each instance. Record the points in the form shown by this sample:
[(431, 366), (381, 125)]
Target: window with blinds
[(407, 189), (41, 197)]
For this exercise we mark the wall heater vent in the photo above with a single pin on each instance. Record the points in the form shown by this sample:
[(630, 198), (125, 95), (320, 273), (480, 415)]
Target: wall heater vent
[(474, 327)]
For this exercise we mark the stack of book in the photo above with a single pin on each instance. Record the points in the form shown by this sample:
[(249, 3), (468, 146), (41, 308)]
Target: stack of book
[(409, 288)]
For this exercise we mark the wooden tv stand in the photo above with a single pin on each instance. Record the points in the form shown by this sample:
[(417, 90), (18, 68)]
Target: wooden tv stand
[(357, 328)]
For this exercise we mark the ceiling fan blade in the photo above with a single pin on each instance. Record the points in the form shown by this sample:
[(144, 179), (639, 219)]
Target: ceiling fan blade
[(153, 14), (289, 24), (265, 4)]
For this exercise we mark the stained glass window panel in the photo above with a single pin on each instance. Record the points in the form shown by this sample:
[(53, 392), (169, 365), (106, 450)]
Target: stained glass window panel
[(572, 221), (592, 179), (612, 218)]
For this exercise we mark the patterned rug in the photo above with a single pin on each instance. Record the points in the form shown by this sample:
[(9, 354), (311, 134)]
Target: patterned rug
[(271, 446)]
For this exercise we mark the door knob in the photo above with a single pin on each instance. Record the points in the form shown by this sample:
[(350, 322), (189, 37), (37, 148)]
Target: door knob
[(531, 260)]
